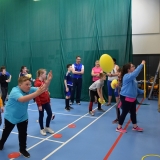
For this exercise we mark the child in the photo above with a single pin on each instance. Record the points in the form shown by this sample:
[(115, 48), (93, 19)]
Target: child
[(43, 103), (68, 86), (5, 78), (128, 94), (16, 110), (1, 109), (118, 88), (25, 72), (96, 90)]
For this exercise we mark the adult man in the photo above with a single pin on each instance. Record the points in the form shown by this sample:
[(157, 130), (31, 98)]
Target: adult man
[(78, 71)]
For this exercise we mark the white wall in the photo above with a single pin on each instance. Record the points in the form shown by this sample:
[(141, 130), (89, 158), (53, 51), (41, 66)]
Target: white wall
[(146, 26)]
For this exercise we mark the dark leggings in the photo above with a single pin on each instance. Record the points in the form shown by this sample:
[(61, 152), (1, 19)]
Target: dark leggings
[(46, 107), (126, 107), (22, 133), (4, 93), (92, 95)]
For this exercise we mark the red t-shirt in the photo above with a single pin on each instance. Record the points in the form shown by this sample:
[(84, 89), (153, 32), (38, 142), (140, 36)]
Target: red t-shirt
[(44, 97)]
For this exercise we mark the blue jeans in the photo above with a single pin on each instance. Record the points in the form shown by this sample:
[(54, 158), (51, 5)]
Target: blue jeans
[(46, 107)]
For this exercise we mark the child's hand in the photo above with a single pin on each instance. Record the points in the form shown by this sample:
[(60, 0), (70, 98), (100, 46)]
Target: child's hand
[(2, 109), (67, 89), (115, 85), (49, 76), (40, 108), (109, 74), (41, 89)]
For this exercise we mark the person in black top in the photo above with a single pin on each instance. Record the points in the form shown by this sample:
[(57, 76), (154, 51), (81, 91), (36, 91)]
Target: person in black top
[(5, 78), (68, 86)]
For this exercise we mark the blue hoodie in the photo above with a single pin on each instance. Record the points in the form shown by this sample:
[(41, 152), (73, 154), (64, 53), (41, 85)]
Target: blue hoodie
[(129, 84)]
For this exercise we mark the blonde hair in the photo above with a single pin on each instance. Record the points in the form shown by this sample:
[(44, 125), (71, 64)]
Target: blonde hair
[(101, 75), (97, 61), (23, 79), (40, 71)]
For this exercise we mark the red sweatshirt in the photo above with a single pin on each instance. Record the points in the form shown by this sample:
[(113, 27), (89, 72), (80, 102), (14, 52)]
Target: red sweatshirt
[(44, 97)]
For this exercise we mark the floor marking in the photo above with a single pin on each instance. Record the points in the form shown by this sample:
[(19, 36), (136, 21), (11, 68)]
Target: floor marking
[(77, 134), (32, 103), (119, 137), (65, 128), (150, 155), (58, 131), (65, 114), (37, 137)]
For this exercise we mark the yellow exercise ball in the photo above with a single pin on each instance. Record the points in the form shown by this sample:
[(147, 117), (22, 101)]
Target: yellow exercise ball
[(101, 101), (106, 63), (114, 83), (28, 75)]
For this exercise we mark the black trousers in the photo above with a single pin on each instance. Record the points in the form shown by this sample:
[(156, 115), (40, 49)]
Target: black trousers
[(22, 133), (92, 95), (77, 87), (4, 93), (126, 107)]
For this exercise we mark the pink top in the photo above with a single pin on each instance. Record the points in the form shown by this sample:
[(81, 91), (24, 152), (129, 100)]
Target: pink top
[(96, 70)]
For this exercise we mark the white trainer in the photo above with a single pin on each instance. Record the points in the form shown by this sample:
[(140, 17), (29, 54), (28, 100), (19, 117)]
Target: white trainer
[(49, 130), (43, 132), (91, 113)]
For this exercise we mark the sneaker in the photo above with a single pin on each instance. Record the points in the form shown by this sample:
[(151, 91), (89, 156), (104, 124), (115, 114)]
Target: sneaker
[(91, 113), (67, 109), (71, 107), (79, 103), (25, 153), (115, 121), (53, 116), (49, 130), (121, 130), (100, 109), (43, 132), (137, 129), (71, 103)]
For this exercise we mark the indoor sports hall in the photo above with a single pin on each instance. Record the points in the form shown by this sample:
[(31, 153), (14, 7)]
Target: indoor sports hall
[(79, 79)]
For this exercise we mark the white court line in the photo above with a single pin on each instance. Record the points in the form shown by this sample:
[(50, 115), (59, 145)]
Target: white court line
[(65, 114), (76, 134), (31, 104), (36, 137), (58, 131)]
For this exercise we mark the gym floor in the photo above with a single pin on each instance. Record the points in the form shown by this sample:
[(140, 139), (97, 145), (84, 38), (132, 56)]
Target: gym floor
[(94, 137)]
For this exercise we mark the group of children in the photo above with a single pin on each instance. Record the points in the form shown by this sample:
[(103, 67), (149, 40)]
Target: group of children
[(126, 93), (17, 105), (127, 89), (16, 108)]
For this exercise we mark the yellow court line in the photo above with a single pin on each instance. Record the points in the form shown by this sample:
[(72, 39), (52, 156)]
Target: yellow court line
[(150, 155)]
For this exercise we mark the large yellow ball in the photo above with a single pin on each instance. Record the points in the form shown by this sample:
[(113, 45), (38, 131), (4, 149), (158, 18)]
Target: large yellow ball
[(114, 83), (106, 63)]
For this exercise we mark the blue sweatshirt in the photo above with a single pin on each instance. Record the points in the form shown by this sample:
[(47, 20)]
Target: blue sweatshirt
[(129, 84)]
